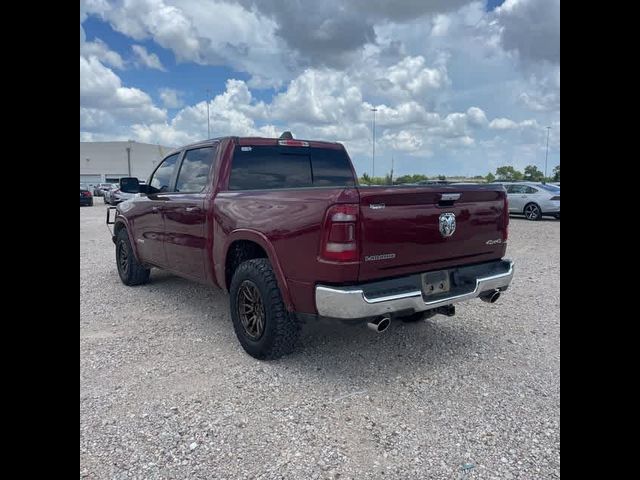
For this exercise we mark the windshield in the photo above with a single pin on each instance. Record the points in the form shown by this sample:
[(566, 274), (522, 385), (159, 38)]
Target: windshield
[(549, 187)]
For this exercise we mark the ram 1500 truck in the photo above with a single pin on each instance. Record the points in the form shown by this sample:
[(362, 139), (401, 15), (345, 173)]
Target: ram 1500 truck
[(284, 227)]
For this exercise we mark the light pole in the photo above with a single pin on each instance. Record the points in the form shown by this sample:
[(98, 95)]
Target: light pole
[(547, 154), (208, 128), (129, 158), (373, 160)]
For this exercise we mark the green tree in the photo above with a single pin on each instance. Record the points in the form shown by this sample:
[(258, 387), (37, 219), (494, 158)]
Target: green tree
[(490, 177), (508, 173), (410, 178), (556, 173), (441, 177), (532, 174), (365, 178)]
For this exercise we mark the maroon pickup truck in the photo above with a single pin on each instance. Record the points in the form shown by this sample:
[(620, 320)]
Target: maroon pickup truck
[(283, 226)]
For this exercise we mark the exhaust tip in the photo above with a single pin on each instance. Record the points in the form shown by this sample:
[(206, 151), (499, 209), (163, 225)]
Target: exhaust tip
[(491, 297), (379, 325)]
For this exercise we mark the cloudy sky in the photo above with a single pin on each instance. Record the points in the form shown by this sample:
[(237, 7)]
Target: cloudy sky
[(461, 87)]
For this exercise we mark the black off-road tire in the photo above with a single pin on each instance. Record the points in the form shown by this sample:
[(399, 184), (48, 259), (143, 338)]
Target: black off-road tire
[(131, 272), (281, 329)]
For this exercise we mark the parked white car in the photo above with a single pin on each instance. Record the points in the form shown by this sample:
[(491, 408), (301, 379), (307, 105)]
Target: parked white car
[(533, 200)]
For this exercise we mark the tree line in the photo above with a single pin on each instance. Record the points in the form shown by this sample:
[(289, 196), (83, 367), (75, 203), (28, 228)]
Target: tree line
[(506, 173)]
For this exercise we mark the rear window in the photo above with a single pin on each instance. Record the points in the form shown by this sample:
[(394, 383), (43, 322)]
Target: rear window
[(273, 167)]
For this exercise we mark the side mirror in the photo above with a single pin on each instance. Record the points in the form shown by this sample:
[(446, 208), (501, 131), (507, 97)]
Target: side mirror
[(129, 185)]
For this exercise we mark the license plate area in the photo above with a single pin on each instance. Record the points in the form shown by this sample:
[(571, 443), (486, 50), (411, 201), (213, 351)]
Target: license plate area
[(434, 283)]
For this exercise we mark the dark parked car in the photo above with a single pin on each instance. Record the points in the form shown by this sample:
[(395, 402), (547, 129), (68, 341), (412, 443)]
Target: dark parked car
[(86, 198), (282, 225)]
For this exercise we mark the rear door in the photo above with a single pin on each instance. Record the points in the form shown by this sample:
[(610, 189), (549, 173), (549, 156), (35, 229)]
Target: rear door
[(148, 222), (184, 213), (402, 231)]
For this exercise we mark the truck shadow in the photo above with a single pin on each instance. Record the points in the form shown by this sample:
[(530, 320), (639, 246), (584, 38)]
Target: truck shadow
[(344, 352), (355, 351)]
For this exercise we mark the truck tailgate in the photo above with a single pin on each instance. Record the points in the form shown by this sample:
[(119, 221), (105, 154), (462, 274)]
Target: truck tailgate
[(400, 228)]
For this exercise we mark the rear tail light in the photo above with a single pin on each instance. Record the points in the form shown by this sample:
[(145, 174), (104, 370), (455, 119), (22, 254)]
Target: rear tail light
[(506, 218), (557, 197), (340, 234)]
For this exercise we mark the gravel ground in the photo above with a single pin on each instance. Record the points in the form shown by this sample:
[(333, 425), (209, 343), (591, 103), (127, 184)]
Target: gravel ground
[(166, 391)]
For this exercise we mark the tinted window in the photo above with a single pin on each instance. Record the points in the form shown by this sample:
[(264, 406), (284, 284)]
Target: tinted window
[(194, 171), (516, 188), (549, 187), (162, 176), (271, 167), (530, 190), (331, 168)]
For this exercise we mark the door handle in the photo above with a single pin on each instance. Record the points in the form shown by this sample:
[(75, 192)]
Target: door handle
[(191, 209)]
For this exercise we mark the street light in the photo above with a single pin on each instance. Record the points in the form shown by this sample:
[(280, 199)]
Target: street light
[(129, 158), (547, 154), (373, 160), (208, 129)]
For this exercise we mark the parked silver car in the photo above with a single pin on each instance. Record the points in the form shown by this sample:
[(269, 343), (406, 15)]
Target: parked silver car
[(107, 193), (115, 195), (533, 200)]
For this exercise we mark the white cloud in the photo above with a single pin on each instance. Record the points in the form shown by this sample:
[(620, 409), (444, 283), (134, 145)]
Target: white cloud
[(233, 112), (205, 33), (403, 140), (531, 28), (100, 50), (171, 98), (149, 60), (434, 70), (101, 91), (503, 124)]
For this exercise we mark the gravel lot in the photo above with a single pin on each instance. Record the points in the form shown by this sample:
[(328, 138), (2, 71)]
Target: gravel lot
[(166, 391)]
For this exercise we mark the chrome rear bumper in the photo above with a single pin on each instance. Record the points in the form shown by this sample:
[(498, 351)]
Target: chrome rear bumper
[(352, 302)]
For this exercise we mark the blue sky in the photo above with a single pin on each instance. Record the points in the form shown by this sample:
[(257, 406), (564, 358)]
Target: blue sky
[(461, 87)]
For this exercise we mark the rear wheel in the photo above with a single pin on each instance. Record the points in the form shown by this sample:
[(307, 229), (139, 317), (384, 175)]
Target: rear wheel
[(532, 211), (130, 270), (264, 327)]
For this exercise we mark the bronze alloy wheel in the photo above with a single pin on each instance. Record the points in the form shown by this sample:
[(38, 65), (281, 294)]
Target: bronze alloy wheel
[(123, 257), (251, 309)]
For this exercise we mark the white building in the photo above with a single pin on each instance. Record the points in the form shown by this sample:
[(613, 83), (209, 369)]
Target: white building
[(106, 162)]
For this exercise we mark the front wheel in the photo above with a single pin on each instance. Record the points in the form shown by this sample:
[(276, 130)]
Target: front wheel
[(130, 270), (532, 212), (264, 327)]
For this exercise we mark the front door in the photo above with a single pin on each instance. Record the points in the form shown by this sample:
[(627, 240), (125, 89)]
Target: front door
[(185, 214), (517, 197), (149, 222)]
